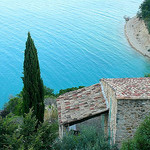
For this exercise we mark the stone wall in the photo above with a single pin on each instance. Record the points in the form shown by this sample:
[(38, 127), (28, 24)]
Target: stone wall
[(99, 123), (130, 113), (112, 104), (95, 122)]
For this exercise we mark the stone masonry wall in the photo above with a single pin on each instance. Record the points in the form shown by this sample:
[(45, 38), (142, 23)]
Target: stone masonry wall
[(99, 123), (130, 113), (112, 104), (93, 122)]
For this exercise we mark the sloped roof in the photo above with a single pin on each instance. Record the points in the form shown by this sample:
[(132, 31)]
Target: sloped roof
[(130, 88), (79, 104)]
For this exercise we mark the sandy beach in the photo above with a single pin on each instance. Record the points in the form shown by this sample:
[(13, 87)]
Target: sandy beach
[(138, 36)]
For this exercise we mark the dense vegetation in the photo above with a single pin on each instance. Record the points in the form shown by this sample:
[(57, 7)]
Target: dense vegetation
[(88, 139), (144, 13), (147, 75), (21, 134), (17, 133), (33, 90), (141, 139), (63, 91)]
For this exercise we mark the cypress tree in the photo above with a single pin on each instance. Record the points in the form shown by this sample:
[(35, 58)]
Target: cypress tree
[(33, 91)]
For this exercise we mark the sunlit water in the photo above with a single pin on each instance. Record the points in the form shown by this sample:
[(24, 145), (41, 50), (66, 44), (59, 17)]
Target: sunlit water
[(78, 42)]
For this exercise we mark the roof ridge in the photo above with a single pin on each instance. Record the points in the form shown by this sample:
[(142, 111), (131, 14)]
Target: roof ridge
[(124, 78), (130, 88)]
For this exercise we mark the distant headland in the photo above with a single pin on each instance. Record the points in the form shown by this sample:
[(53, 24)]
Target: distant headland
[(137, 29), (137, 35)]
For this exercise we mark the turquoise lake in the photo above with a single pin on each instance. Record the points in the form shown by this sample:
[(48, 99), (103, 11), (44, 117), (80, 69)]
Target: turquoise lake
[(78, 42)]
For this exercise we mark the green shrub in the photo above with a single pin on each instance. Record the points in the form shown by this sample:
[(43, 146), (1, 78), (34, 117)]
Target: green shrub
[(48, 92), (142, 135), (147, 75), (14, 106), (25, 135), (63, 91), (4, 113), (88, 139), (7, 128), (141, 139), (129, 145)]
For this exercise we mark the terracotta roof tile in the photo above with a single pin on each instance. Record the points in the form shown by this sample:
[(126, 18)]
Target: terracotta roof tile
[(79, 104), (130, 88)]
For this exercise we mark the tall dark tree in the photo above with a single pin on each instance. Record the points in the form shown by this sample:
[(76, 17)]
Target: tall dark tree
[(33, 91)]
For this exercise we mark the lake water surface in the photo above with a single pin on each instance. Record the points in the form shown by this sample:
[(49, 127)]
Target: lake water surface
[(78, 42)]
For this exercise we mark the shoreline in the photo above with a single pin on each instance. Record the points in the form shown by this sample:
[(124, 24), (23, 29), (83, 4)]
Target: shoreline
[(137, 36)]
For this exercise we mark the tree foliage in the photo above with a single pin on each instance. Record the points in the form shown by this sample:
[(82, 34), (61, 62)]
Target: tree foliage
[(48, 92), (24, 135), (144, 13), (147, 75), (14, 106), (7, 127), (33, 91), (63, 91)]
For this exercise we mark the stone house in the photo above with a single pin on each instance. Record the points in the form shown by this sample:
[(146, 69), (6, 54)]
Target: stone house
[(123, 103)]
